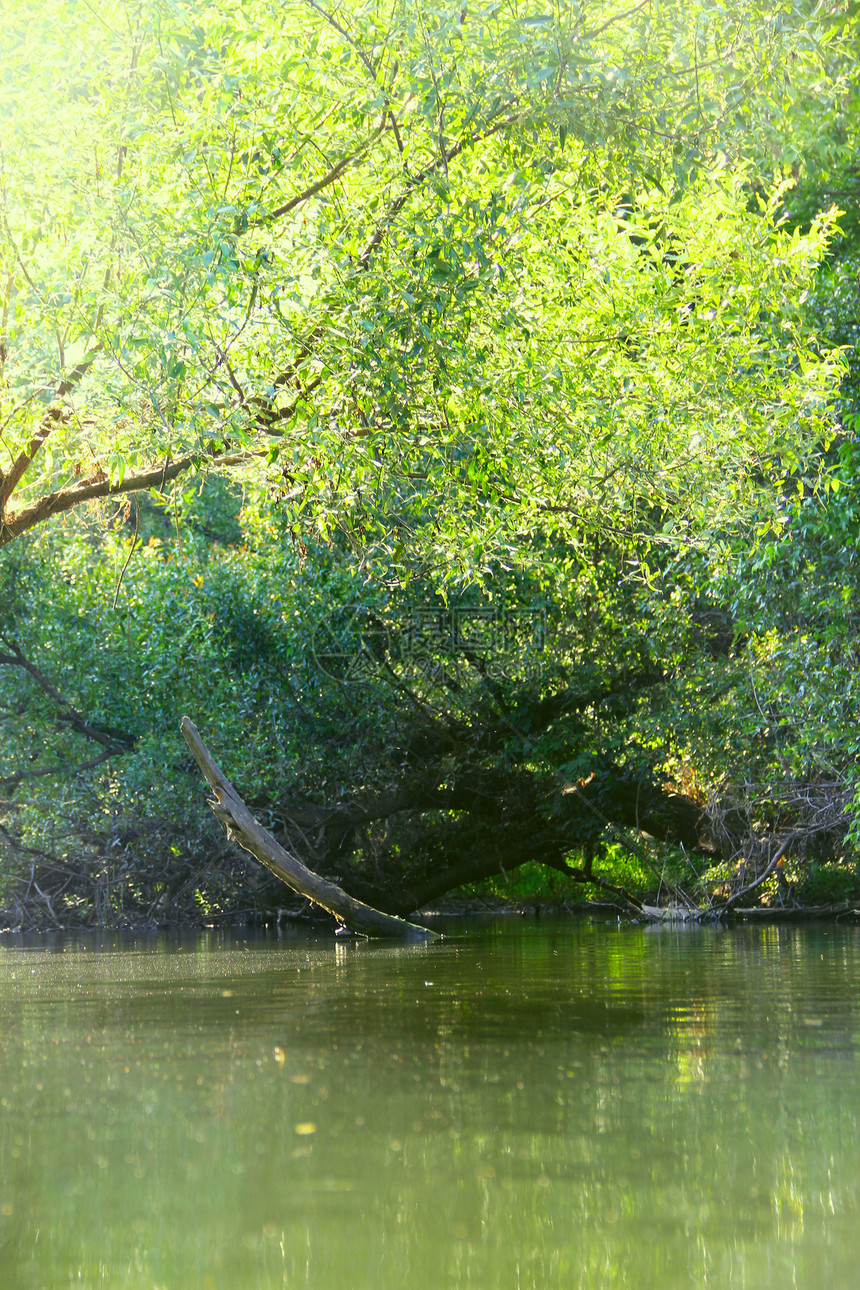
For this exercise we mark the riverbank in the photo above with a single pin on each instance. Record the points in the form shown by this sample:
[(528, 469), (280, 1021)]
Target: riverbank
[(452, 907)]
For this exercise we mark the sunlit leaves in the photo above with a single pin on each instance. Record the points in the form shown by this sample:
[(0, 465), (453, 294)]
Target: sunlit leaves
[(403, 240)]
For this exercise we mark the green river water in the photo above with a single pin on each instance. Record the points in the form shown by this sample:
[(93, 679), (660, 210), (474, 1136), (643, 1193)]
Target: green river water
[(522, 1105)]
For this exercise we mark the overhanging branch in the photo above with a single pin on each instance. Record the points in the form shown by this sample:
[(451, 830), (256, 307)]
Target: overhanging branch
[(66, 499)]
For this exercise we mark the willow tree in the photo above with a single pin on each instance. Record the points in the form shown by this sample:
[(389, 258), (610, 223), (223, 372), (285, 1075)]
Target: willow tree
[(506, 248), (479, 287)]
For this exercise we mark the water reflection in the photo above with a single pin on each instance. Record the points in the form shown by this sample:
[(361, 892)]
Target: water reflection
[(559, 1105)]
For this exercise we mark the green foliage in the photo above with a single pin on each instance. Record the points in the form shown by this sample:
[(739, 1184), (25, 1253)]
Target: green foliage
[(503, 308), (507, 250), (530, 884), (828, 884)]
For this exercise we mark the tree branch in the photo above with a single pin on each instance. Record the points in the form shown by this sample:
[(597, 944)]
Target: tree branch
[(229, 808), (744, 891), (68, 498), (93, 489), (420, 176), (617, 17), (9, 482), (338, 169), (12, 781), (366, 63), (114, 741)]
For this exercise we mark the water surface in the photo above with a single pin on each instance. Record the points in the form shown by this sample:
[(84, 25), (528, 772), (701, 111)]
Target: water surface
[(526, 1106)]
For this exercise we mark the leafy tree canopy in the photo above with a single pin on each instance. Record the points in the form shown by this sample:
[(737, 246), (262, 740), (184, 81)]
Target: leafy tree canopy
[(544, 304), (500, 270)]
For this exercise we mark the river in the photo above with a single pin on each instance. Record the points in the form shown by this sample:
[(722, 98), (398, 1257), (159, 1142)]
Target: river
[(521, 1106)]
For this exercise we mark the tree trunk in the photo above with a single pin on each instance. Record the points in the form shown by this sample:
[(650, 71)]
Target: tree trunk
[(241, 826)]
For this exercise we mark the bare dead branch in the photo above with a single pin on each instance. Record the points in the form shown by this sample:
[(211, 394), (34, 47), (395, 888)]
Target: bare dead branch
[(744, 891), (241, 826)]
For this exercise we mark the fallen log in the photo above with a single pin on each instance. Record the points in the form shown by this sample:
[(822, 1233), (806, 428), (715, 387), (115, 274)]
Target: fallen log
[(243, 828), (807, 913)]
